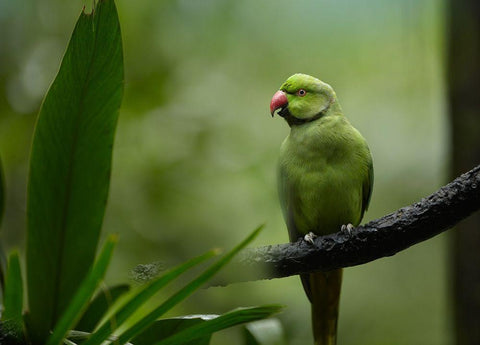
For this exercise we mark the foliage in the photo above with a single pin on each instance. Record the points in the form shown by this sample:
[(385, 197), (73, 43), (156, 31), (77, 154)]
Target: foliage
[(195, 146), (2, 192), (67, 193), (70, 166)]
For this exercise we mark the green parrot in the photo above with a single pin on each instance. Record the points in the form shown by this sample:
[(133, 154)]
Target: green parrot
[(325, 180)]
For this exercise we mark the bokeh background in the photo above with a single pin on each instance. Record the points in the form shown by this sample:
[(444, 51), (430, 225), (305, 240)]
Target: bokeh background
[(196, 149)]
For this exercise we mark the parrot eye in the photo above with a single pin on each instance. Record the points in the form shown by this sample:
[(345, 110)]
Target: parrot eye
[(301, 92)]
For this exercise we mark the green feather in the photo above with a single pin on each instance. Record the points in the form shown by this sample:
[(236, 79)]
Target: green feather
[(325, 180), (325, 173)]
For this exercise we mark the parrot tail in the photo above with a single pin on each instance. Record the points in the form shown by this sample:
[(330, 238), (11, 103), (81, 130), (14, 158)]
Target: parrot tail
[(324, 294)]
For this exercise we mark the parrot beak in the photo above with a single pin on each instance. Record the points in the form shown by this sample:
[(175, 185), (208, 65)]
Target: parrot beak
[(279, 100)]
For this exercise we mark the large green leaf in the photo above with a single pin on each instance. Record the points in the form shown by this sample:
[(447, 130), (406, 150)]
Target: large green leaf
[(83, 294), (165, 328), (70, 166), (232, 318)]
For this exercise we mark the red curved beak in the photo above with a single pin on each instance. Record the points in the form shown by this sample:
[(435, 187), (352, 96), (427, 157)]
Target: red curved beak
[(279, 100)]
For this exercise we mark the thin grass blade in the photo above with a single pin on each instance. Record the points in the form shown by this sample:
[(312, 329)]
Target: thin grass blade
[(2, 192), (13, 294), (141, 297), (84, 294), (2, 210), (99, 306), (143, 323)]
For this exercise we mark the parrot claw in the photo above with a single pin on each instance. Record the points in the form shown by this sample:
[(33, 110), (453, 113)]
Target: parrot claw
[(347, 229), (310, 237)]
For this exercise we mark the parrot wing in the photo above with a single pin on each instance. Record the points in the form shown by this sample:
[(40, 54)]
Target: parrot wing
[(367, 186), (288, 198)]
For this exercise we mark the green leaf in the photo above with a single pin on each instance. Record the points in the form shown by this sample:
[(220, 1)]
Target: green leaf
[(83, 294), (165, 328), (70, 166), (80, 336), (2, 210), (77, 336), (264, 332), (141, 297), (13, 294), (11, 327), (146, 321), (232, 318), (69, 342), (2, 192), (99, 306)]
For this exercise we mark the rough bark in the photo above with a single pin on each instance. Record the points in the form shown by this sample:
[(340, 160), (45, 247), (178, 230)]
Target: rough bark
[(379, 238)]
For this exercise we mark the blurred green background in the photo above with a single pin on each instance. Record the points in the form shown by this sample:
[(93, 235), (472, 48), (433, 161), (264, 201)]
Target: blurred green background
[(196, 149)]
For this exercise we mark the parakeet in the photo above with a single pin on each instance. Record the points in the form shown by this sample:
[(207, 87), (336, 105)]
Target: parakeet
[(325, 180)]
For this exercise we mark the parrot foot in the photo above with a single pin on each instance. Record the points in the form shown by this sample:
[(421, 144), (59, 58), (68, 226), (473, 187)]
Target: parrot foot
[(310, 237), (347, 229)]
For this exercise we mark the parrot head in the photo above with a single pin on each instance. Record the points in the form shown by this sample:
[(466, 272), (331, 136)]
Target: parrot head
[(302, 98)]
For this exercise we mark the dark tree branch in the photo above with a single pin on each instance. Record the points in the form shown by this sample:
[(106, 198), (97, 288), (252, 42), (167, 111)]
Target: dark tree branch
[(382, 237)]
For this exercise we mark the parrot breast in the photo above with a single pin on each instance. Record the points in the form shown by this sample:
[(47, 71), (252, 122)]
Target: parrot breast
[(321, 171)]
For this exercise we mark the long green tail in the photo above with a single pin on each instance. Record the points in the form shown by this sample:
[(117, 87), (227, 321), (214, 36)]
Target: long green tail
[(324, 294)]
